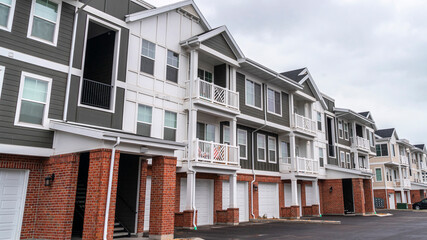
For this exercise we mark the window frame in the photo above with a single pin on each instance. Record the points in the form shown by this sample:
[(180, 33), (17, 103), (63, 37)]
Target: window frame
[(164, 123), (148, 57), (280, 100), (246, 144), (381, 174), (348, 160), (10, 19), (275, 149), (2, 71), (45, 120), (342, 159), (319, 114), (246, 95), (321, 156), (346, 132), (56, 32), (224, 128), (340, 131), (265, 148), (204, 74), (381, 150), (168, 65)]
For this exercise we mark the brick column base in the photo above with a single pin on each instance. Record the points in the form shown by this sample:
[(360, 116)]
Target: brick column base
[(409, 205), (294, 212), (315, 210), (185, 219), (233, 216)]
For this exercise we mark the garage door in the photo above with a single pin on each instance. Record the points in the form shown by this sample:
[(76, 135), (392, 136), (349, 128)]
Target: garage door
[(288, 195), (391, 201), (268, 196), (147, 204), (204, 200), (13, 187), (242, 199)]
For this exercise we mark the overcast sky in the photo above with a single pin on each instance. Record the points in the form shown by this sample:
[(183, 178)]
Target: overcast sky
[(369, 55)]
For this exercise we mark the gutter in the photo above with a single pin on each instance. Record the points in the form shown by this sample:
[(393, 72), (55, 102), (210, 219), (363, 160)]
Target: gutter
[(110, 183)]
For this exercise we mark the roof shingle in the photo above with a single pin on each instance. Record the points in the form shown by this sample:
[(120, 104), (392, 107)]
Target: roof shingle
[(385, 133)]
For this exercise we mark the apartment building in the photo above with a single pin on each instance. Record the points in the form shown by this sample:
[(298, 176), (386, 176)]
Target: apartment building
[(119, 118), (398, 168)]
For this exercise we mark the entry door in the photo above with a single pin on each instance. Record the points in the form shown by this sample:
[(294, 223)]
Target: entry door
[(391, 201), (147, 204), (242, 199), (204, 200), (13, 188), (268, 198), (348, 196)]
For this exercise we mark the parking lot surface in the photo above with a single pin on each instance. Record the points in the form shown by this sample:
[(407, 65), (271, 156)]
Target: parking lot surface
[(402, 225)]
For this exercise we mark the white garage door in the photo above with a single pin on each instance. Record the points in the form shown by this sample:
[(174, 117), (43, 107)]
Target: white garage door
[(13, 188), (147, 204), (204, 200), (309, 195), (288, 195), (391, 201), (268, 198), (242, 199)]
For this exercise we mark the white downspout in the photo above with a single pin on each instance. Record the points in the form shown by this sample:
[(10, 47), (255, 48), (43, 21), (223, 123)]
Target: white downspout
[(110, 183)]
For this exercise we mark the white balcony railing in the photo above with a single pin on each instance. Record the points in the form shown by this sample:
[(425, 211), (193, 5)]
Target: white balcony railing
[(404, 160), (304, 123), (366, 170), (215, 153), (307, 165), (359, 142), (214, 94), (406, 183)]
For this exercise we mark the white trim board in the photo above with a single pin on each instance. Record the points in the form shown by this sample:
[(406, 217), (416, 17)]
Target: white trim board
[(25, 150)]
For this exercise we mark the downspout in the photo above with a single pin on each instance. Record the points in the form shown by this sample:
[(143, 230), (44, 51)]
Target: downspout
[(71, 59), (253, 154), (110, 183)]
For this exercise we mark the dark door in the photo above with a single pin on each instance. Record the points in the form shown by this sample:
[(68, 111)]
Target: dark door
[(347, 188)]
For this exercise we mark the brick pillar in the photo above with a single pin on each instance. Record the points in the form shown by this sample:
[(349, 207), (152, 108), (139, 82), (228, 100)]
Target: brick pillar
[(256, 199), (162, 207), (96, 196), (56, 202), (233, 216), (295, 212), (358, 196), (142, 190), (369, 204), (217, 197), (281, 199)]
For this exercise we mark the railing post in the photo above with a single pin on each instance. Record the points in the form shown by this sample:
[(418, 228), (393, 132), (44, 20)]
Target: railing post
[(212, 92), (212, 152), (196, 151)]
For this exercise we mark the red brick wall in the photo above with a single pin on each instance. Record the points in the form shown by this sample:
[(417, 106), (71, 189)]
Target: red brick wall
[(381, 193), (141, 200), (416, 196), (358, 196), (369, 204), (217, 197), (96, 196), (332, 202)]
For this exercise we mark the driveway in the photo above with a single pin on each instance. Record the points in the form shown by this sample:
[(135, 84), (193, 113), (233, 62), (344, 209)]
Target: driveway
[(402, 225)]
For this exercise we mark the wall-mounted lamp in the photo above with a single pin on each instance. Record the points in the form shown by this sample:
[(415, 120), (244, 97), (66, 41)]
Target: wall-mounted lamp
[(49, 179), (255, 188), (330, 189)]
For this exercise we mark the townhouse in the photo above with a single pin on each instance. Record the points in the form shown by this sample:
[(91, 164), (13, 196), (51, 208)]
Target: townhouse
[(399, 168), (119, 118)]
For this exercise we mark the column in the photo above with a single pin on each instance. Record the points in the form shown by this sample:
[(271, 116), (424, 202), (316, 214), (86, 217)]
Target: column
[(356, 159), (308, 149), (233, 210), (291, 107), (142, 191), (307, 110), (295, 208), (162, 206), (233, 82), (191, 184), (292, 146), (194, 65), (316, 205), (233, 132)]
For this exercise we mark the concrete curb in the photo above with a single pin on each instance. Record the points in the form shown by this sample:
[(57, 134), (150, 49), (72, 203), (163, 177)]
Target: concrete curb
[(298, 221)]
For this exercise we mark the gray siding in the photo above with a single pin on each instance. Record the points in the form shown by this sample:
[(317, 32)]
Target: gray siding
[(116, 8), (17, 39), (219, 44), (330, 105), (91, 116), (15, 135), (307, 89), (134, 7), (244, 109)]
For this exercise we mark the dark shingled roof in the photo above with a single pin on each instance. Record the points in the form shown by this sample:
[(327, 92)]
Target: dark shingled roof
[(420, 146), (365, 114), (385, 133), (293, 75)]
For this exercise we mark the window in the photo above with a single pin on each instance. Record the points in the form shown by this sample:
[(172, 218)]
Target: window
[(242, 140), (347, 160), (342, 159), (170, 126), (261, 147), (7, 9), (144, 120), (33, 101), (148, 54), (346, 131), (378, 175), (226, 135), (206, 132), (382, 150), (321, 158), (371, 139), (253, 94), (392, 150), (284, 146), (272, 150), (204, 75), (319, 121), (340, 129), (2, 70), (172, 66), (44, 20), (273, 102)]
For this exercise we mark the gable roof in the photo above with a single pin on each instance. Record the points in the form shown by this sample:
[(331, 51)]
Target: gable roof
[(385, 133), (155, 11), (295, 75), (420, 146), (349, 114), (365, 114)]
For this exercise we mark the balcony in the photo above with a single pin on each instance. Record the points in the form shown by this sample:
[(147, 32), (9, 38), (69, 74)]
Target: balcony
[(360, 143), (303, 165), (215, 153), (404, 160), (96, 94), (423, 166), (214, 94), (304, 124), (366, 170), (405, 184)]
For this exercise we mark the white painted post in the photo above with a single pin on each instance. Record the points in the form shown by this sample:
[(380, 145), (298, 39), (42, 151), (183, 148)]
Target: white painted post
[(233, 190), (190, 186), (291, 107), (294, 187), (409, 196), (292, 151), (356, 159)]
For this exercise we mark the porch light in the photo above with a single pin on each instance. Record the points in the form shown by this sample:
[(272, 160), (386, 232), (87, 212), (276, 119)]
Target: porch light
[(330, 189), (49, 179), (255, 188)]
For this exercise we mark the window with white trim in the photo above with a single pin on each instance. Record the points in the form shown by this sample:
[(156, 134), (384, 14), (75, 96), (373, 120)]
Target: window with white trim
[(261, 147), (274, 103), (44, 21), (371, 139), (144, 120), (340, 129), (392, 150), (321, 157), (172, 66), (206, 132), (347, 160), (226, 135), (242, 141), (253, 94), (345, 130), (33, 101), (378, 175), (170, 124), (284, 146), (2, 70), (7, 10), (204, 75), (319, 121), (382, 150), (148, 55), (342, 159), (272, 150)]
